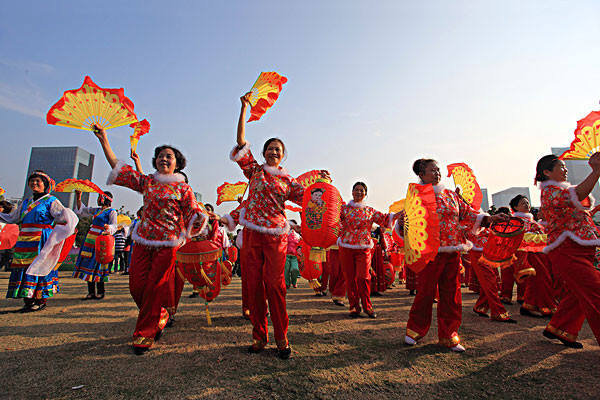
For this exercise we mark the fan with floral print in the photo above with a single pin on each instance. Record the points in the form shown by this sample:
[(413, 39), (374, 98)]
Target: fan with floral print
[(464, 178), (587, 138), (421, 226), (265, 92)]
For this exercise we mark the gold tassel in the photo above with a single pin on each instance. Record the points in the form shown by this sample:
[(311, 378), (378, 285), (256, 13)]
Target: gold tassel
[(197, 258), (318, 254), (314, 284), (205, 277), (208, 321), (224, 269)]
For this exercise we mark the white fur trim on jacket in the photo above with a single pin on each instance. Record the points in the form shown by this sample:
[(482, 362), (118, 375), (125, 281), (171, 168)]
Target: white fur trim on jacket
[(115, 172), (156, 243), (391, 220), (568, 234), (233, 156), (354, 204), (277, 171), (477, 227), (171, 178), (354, 246), (439, 188), (204, 224), (230, 222), (263, 229), (476, 248), (564, 185), (577, 203), (520, 214), (459, 247)]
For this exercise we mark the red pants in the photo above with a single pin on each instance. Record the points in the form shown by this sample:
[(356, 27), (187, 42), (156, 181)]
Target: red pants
[(245, 306), (263, 257), (539, 291), (444, 273), (378, 283), (574, 264), (356, 264), (508, 280), (175, 287), (149, 274), (337, 283), (412, 280), (488, 292)]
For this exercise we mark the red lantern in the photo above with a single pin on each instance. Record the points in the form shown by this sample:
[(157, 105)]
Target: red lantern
[(504, 240), (226, 272), (105, 249), (388, 273), (309, 270), (194, 260), (232, 254), (321, 206)]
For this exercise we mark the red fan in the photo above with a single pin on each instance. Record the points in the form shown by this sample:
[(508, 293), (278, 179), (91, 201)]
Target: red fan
[(90, 104), (587, 138), (265, 92), (139, 130), (464, 178), (310, 177)]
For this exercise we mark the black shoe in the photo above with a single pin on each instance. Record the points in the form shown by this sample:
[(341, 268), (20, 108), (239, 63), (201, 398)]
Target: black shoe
[(284, 354), (527, 313), (572, 345), (508, 321), (90, 296), (411, 293), (376, 294), (191, 296), (99, 296), (481, 313), (158, 335), (354, 314), (372, 315), (318, 294), (170, 322), (521, 302), (125, 273), (35, 307), (507, 302), (339, 303), (140, 351)]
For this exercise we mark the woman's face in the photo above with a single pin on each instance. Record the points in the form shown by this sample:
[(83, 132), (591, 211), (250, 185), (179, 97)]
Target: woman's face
[(431, 174), (36, 185), (274, 153), (358, 193), (523, 206), (559, 173), (166, 162)]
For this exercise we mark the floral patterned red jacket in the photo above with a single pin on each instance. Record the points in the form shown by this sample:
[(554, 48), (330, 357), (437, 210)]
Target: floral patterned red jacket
[(356, 222)]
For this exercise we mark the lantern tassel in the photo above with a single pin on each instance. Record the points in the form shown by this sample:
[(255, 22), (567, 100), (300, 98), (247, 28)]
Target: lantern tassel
[(318, 254), (205, 277), (208, 320), (314, 284), (495, 264)]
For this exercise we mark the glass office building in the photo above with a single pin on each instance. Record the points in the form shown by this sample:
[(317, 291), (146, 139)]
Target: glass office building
[(61, 163)]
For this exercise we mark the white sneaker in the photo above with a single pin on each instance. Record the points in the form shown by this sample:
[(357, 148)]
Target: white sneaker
[(409, 341), (458, 348)]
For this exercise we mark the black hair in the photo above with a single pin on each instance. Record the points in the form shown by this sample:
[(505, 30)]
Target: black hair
[(317, 190), (139, 212), (546, 163), (514, 202), (6, 206), (107, 199), (179, 158), (420, 165), (293, 221), (42, 177), (207, 206), (185, 178), (504, 210), (269, 141), (360, 184)]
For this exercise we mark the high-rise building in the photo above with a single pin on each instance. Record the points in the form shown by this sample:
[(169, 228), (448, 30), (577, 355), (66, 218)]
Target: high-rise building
[(578, 170), (61, 163), (485, 203), (503, 197)]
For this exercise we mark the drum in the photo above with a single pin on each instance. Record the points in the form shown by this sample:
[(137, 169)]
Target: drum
[(503, 241)]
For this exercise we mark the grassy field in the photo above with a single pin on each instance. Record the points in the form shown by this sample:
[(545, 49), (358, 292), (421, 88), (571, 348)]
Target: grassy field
[(74, 343)]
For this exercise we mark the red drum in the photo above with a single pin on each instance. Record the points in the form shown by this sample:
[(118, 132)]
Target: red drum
[(105, 249), (388, 273), (199, 261), (503, 241)]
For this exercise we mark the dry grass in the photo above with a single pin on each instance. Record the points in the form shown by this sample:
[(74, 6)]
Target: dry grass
[(74, 343)]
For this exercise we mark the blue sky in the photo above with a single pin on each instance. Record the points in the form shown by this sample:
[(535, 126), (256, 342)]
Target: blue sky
[(372, 85)]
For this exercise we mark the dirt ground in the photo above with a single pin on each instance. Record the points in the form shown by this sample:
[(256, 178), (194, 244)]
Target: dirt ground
[(72, 343)]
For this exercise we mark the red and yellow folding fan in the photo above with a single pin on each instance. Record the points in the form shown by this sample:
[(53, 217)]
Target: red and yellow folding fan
[(421, 227), (70, 185), (90, 104), (265, 92), (310, 177), (123, 220), (587, 138), (464, 178), (396, 206), (2, 191), (231, 191), (139, 129)]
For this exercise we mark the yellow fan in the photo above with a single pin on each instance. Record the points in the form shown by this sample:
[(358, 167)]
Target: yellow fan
[(90, 104), (397, 206), (265, 92), (123, 220), (587, 138), (2, 191)]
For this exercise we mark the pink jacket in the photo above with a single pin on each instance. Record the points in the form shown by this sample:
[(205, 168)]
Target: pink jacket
[(293, 240)]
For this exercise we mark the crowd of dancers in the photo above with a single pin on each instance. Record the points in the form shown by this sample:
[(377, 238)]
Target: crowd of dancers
[(560, 282)]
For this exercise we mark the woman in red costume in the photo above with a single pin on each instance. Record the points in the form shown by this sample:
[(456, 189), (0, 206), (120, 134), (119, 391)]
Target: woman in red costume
[(265, 234), (355, 246), (171, 214), (456, 216), (572, 241)]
